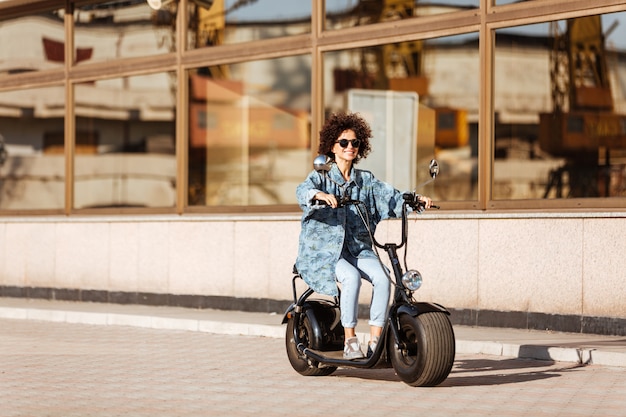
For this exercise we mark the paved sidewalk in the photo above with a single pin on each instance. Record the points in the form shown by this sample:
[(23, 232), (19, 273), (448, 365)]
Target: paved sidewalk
[(57, 369), (559, 347)]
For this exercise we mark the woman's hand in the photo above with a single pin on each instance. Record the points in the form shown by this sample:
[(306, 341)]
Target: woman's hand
[(329, 199), (426, 201)]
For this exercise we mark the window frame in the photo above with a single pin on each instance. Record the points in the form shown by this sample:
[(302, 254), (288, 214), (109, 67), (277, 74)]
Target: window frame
[(484, 20)]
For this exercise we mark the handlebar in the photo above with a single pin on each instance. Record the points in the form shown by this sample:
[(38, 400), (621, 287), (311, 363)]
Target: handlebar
[(410, 199)]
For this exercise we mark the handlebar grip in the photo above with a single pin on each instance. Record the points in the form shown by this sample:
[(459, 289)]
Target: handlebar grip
[(318, 203), (411, 199), (341, 202), (420, 205)]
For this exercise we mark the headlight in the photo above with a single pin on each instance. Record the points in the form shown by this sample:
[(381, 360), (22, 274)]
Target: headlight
[(412, 279)]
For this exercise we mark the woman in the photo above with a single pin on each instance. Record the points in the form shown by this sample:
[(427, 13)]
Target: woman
[(335, 245)]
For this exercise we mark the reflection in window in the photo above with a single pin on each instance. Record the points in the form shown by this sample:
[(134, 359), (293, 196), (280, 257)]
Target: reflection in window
[(249, 138), (41, 43), (125, 142), (219, 22), (560, 109), (421, 99), (32, 162), (123, 29), (349, 13)]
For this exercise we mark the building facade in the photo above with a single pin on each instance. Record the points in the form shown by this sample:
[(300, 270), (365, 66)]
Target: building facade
[(150, 150)]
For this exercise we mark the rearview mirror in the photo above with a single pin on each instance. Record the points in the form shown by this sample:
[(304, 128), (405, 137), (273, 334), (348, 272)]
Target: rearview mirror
[(322, 163), (434, 168)]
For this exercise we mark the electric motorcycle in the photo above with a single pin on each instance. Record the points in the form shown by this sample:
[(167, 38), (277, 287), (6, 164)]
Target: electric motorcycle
[(417, 339)]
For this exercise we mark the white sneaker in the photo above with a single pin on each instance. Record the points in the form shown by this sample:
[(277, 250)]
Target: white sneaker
[(352, 349), (371, 347)]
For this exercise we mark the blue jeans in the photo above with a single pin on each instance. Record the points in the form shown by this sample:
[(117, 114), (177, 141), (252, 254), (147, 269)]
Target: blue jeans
[(349, 271)]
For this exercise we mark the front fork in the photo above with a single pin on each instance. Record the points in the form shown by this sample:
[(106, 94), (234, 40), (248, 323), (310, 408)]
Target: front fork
[(392, 324)]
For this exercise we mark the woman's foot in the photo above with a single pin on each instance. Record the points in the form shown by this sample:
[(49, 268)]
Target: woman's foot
[(352, 349), (371, 347)]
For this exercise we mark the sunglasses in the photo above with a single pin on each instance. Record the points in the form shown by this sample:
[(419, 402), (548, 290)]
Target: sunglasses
[(344, 143)]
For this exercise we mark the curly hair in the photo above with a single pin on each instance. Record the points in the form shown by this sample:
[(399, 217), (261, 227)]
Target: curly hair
[(336, 124)]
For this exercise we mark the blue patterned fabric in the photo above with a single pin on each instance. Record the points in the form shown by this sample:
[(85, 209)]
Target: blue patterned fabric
[(325, 229)]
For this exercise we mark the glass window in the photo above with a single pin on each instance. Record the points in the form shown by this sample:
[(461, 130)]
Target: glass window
[(349, 13), (125, 142), (219, 22), (249, 140), (41, 42), (421, 99), (124, 29), (560, 109), (32, 162)]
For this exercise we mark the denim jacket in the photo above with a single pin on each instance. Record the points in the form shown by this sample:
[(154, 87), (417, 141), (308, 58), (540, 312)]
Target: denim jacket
[(326, 230)]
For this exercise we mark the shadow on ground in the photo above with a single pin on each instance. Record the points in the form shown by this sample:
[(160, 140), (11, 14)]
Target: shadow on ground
[(476, 372)]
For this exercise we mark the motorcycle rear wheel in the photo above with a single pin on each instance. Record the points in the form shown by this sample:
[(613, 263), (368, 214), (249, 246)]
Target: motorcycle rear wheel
[(429, 349), (298, 362)]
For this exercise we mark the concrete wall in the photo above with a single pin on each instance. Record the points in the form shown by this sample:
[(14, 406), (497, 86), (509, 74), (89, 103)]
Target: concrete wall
[(554, 264)]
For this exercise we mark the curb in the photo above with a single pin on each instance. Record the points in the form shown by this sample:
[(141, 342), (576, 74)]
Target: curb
[(582, 356)]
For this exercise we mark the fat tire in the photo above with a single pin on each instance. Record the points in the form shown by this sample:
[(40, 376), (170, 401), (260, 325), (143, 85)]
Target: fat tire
[(429, 356), (298, 362)]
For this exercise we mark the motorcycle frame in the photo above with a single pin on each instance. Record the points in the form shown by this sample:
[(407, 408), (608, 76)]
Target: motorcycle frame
[(403, 303)]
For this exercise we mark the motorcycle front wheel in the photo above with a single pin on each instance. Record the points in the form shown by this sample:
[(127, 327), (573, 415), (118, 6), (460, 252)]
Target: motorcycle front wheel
[(298, 362), (427, 348)]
